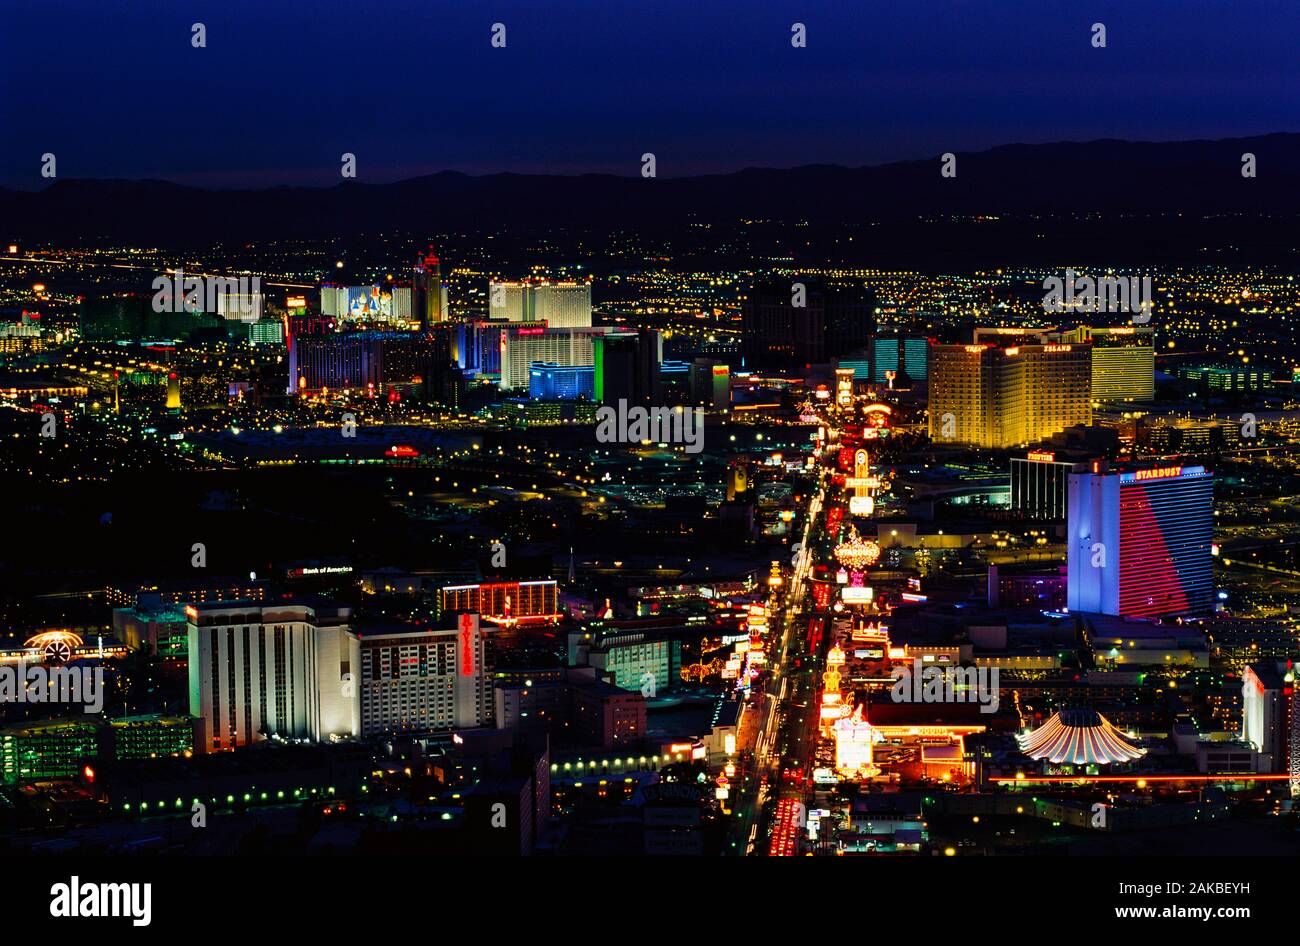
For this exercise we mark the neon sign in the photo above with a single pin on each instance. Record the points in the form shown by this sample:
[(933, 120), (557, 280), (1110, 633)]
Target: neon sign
[(467, 645)]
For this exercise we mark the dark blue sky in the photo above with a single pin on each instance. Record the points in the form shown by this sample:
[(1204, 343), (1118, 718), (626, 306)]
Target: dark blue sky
[(413, 86)]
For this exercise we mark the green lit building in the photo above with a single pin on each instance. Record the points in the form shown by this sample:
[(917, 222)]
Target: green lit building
[(61, 748), (149, 737), (50, 749), (1227, 377)]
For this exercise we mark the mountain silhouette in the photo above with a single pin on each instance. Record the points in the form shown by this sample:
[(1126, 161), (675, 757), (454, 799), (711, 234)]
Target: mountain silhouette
[(1135, 179)]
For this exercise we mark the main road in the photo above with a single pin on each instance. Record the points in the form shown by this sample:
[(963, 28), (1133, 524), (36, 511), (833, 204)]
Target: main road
[(784, 704)]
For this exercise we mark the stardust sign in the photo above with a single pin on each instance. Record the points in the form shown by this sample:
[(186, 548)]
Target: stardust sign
[(1160, 473)]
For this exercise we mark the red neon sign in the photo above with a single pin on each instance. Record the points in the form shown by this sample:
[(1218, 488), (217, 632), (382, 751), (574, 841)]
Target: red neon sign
[(467, 645)]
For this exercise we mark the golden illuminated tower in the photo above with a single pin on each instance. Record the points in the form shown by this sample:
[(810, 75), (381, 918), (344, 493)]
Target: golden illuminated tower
[(1017, 390), (833, 706), (173, 391), (1123, 363), (737, 478)]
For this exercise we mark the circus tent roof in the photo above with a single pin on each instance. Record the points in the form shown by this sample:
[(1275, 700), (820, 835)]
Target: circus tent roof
[(1081, 737)]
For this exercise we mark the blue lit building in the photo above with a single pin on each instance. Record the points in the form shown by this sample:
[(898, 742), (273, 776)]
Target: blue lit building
[(887, 353), (861, 367), (548, 381)]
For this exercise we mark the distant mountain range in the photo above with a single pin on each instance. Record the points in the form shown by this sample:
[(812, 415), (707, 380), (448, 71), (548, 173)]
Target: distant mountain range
[(1195, 178)]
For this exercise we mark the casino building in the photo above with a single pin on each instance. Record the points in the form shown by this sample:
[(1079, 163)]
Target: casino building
[(424, 680), (504, 602), (271, 670), (1019, 389), (1139, 541), (1040, 485)]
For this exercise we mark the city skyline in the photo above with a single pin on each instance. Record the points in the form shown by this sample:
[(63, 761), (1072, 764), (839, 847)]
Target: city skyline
[(826, 431)]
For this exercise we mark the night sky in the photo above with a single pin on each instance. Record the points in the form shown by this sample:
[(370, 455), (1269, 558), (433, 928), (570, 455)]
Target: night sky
[(414, 86)]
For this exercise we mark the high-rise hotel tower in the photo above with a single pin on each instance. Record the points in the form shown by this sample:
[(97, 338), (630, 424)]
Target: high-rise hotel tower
[(1138, 541), (1014, 391), (258, 670)]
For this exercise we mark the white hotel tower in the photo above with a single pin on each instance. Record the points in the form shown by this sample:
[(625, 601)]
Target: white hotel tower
[(260, 670)]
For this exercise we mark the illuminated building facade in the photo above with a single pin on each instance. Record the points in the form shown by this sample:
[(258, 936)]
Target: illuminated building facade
[(46, 750), (988, 395), (282, 669), (833, 706), (1227, 377), (341, 361), (60, 748), (710, 383), (358, 361), (266, 332), (888, 354), (154, 597), (477, 346), (1269, 722), (333, 300), (1123, 363), (428, 296), (1040, 486), (425, 680), (173, 391), (161, 630), (241, 306), (854, 737), (1078, 737), (521, 346), (558, 304), (147, 737), (737, 478), (643, 655), (1139, 541), (524, 602), (551, 382), (632, 660)]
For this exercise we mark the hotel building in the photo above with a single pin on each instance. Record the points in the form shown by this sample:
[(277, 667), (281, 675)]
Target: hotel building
[(1007, 395), (522, 346), (1123, 363), (559, 305), (504, 601), (1138, 542), (1040, 486), (425, 680), (271, 670)]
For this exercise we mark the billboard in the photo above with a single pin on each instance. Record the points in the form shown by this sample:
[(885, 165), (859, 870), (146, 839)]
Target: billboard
[(369, 303)]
